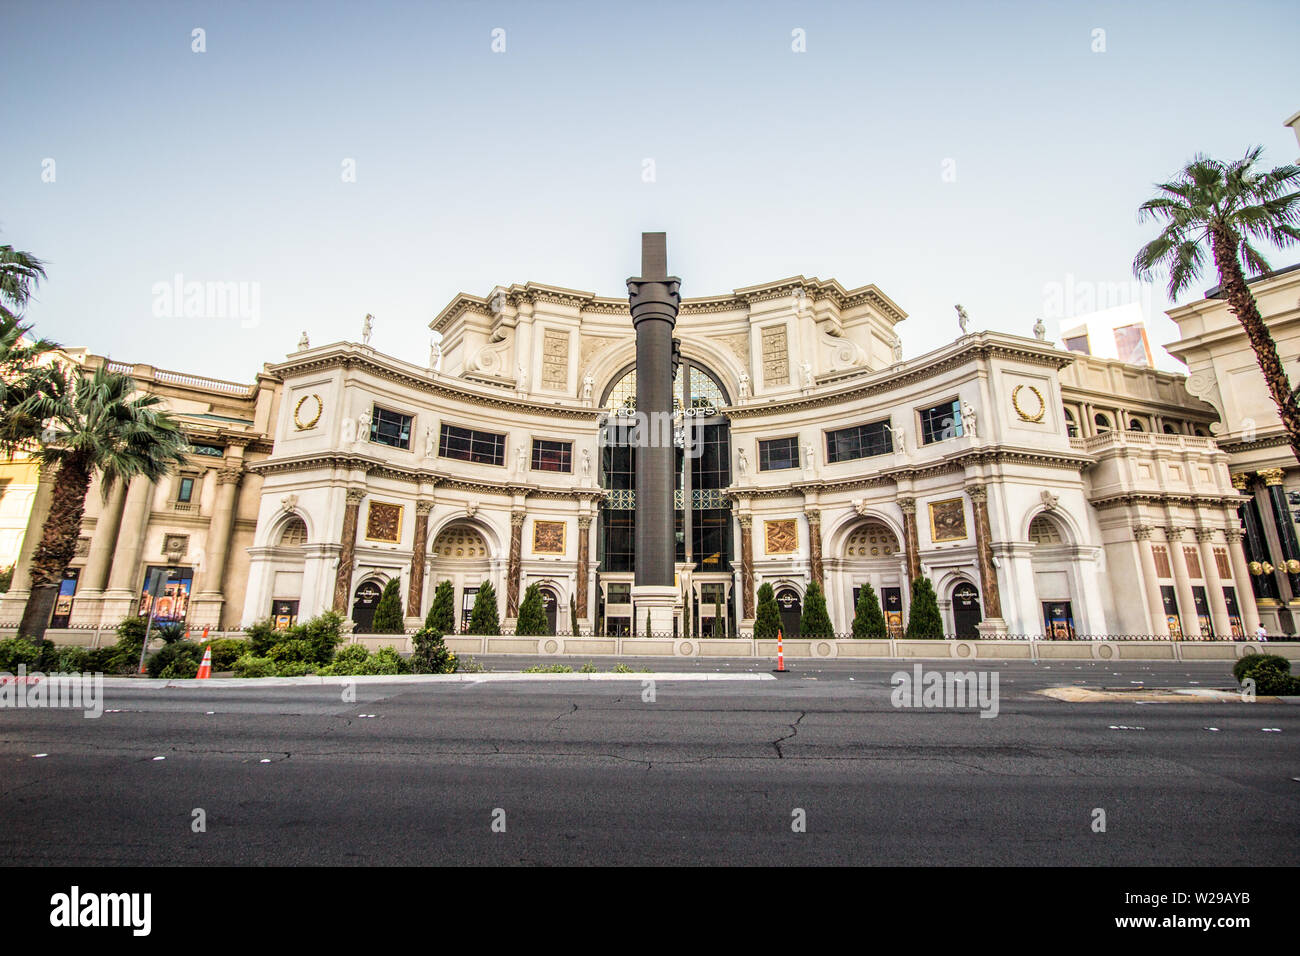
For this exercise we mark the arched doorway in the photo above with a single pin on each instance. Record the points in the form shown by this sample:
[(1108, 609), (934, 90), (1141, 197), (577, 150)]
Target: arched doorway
[(966, 612), (791, 605), (1054, 567), (550, 604), (871, 554), (363, 606), (460, 555)]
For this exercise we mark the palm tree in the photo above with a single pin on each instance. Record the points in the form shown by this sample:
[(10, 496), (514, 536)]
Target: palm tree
[(1224, 208), (93, 426), (21, 369)]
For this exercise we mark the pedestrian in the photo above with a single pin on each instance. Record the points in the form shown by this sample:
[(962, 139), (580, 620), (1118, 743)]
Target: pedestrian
[(1261, 634)]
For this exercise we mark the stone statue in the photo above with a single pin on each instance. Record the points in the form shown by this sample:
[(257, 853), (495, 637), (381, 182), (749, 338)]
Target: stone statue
[(363, 426), (809, 457), (968, 419), (897, 347), (899, 438), (586, 462), (303, 343), (435, 356), (742, 462), (588, 383), (807, 370), (523, 379), (289, 502), (521, 460), (367, 327), (861, 507), (430, 442), (963, 319), (744, 386), (1040, 330)]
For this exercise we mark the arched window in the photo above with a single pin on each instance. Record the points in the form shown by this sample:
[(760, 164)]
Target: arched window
[(706, 390), (1102, 421), (1043, 530), (1201, 432), (1071, 425), (1170, 429), (460, 541), (294, 534), (1135, 426)]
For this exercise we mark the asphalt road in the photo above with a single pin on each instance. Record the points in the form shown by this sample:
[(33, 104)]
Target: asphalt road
[(709, 772)]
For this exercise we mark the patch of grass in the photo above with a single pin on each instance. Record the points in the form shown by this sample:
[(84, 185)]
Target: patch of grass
[(548, 669)]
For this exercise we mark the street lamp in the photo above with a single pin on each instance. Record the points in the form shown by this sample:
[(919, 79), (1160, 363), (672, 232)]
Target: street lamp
[(170, 572)]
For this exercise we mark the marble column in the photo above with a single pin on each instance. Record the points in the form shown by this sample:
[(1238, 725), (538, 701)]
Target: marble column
[(15, 600), (581, 584), (747, 566), (1183, 584), (218, 545), (419, 555), (1285, 526), (1151, 581), (95, 575), (984, 548), (1213, 584), (815, 545), (913, 545), (347, 551), (512, 570), (124, 576), (1241, 580)]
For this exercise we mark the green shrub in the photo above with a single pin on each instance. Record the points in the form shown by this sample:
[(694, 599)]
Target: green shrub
[(296, 651), (548, 669), (175, 660), (431, 654), (869, 620), (6, 578), (469, 666), (588, 668), (169, 632), (484, 619), (295, 668), (1270, 672), (17, 651), (324, 633), (532, 620), (767, 621), (250, 666), (262, 636), (226, 651), (384, 661), (442, 613), (388, 612), (73, 660), (815, 622), (924, 620), (131, 630)]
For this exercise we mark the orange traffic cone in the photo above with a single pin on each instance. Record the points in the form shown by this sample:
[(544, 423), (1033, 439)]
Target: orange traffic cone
[(205, 668), (780, 654)]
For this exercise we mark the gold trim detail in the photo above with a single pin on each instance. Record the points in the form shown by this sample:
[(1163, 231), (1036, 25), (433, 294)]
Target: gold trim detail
[(1015, 403), (952, 513), (298, 424)]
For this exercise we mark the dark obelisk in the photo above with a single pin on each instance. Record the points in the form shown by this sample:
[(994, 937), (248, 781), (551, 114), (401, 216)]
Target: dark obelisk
[(654, 300)]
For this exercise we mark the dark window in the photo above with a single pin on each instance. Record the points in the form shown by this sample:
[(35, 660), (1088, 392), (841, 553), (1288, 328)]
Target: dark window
[(861, 441), (941, 422), (186, 491), (778, 453), (552, 455), (618, 593), (390, 428), (465, 444), (212, 451), (467, 599), (1078, 343)]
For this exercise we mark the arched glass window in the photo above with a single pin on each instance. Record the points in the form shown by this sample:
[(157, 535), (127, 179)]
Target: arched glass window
[(1071, 426), (294, 534), (1135, 426), (1043, 530), (706, 390), (1170, 429), (1102, 421)]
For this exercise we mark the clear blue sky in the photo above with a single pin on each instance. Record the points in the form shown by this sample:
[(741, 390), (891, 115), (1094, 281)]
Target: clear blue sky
[(475, 168)]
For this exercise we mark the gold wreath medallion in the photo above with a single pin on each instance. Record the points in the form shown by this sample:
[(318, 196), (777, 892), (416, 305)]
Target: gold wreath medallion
[(298, 423), (1015, 403)]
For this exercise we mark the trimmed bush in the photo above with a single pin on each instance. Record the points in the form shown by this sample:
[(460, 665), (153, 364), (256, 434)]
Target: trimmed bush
[(388, 612), (767, 621), (17, 651), (924, 621), (484, 619), (175, 659), (226, 651), (250, 666), (73, 660), (295, 669), (815, 622), (431, 654), (293, 651), (869, 620), (442, 613), (532, 620), (1270, 672)]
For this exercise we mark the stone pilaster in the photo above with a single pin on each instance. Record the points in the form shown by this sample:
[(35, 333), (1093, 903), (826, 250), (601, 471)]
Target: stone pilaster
[(347, 551), (815, 544), (1213, 584), (984, 548), (419, 554), (584, 561), (512, 571), (1182, 583), (1151, 581), (747, 566), (913, 544), (211, 597)]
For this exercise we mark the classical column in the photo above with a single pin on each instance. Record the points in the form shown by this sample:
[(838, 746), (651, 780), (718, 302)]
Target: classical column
[(1151, 581), (1213, 584), (223, 521), (95, 575), (584, 560), (908, 506), (347, 551), (415, 590), (21, 582), (1262, 582), (1241, 579), (512, 571), (1285, 527), (815, 544), (1182, 583), (747, 565), (984, 548), (123, 575)]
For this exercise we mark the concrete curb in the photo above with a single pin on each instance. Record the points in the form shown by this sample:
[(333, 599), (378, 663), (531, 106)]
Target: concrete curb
[(314, 681)]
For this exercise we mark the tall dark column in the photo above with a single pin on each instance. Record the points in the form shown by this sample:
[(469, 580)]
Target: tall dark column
[(654, 300), (1263, 582), (347, 552), (1282, 520), (415, 587), (908, 506), (747, 566), (512, 569)]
